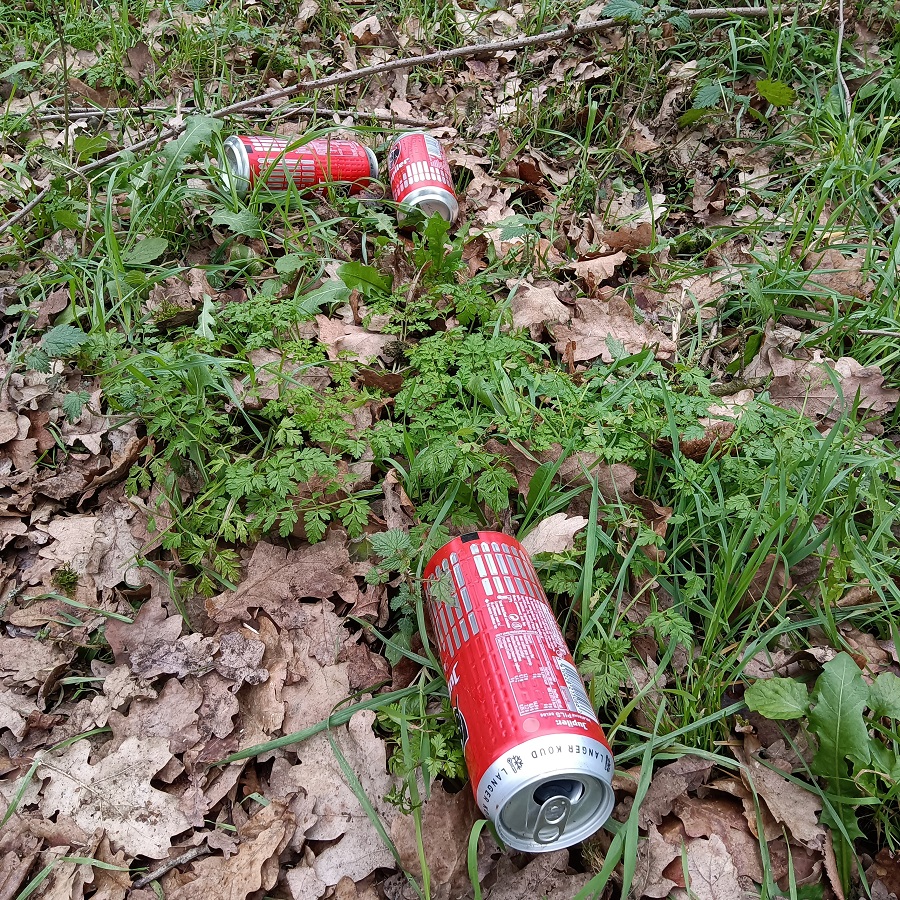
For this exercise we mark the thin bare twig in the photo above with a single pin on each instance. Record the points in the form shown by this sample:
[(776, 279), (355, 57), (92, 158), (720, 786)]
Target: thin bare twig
[(427, 59), (188, 856), (284, 111)]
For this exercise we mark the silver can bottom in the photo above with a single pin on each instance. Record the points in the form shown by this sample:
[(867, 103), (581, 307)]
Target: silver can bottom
[(430, 200), (234, 167), (549, 792)]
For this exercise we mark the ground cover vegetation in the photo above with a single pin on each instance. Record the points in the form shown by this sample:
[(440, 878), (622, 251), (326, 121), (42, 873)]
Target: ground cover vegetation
[(660, 345)]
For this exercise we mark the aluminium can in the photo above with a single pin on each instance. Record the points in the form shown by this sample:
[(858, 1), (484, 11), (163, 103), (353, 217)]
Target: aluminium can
[(250, 159), (420, 178), (538, 760)]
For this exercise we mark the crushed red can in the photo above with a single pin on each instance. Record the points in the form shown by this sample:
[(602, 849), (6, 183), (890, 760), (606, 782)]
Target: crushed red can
[(420, 178), (539, 763), (250, 159)]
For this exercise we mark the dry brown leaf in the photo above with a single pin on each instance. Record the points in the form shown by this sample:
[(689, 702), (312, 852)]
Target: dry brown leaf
[(596, 270), (173, 716), (546, 876), (140, 62), (725, 818), (342, 338), (789, 803), (835, 272), (115, 794), (360, 850), (599, 320), (398, 510), (711, 872), (367, 32), (447, 820), (152, 623), (555, 534), (171, 302), (255, 865), (15, 710), (278, 579), (55, 302), (534, 305), (654, 853), (670, 782), (29, 662), (810, 390), (304, 884)]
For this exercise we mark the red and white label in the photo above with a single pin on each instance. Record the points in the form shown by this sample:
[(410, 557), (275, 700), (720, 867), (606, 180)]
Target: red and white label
[(416, 161), (317, 162)]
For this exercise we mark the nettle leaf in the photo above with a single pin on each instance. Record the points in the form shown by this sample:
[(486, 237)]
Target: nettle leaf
[(145, 251), (626, 10), (365, 279), (73, 405), (776, 92), (241, 222), (708, 96), (884, 696), (62, 341), (778, 698)]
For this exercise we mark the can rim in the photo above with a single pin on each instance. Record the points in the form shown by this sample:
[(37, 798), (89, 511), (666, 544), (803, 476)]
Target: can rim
[(569, 836), (440, 195), (235, 165)]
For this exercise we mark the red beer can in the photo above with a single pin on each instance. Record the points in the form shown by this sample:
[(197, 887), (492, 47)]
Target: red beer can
[(251, 159), (539, 763), (420, 176)]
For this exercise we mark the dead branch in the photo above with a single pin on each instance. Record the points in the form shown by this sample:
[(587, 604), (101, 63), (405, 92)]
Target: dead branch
[(428, 59)]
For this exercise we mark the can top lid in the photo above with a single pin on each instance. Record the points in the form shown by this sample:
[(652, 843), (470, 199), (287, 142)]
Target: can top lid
[(556, 811)]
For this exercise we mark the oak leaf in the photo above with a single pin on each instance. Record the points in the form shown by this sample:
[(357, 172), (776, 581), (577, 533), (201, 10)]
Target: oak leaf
[(535, 305), (594, 272), (555, 534), (115, 794), (599, 322)]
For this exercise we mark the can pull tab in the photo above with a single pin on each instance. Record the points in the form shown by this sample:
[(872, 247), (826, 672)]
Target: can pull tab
[(552, 818)]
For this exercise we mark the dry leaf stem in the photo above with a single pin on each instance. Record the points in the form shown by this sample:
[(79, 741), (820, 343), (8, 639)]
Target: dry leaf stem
[(168, 865), (428, 59)]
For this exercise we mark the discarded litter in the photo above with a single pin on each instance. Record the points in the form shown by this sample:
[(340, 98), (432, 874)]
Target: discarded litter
[(539, 763), (420, 176), (250, 159), (418, 171)]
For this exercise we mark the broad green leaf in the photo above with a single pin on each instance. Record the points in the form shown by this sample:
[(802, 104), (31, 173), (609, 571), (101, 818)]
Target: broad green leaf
[(692, 116), (365, 279), (65, 218), (776, 92), (88, 146), (62, 340), (241, 222), (145, 251), (626, 10), (289, 264), (329, 292), (836, 719), (435, 233), (206, 321), (7, 74), (778, 698), (197, 134), (884, 696)]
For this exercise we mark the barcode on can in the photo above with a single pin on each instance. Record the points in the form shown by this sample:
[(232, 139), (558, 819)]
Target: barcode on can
[(576, 688)]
